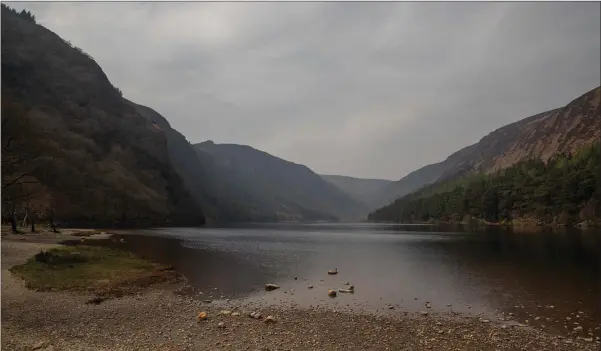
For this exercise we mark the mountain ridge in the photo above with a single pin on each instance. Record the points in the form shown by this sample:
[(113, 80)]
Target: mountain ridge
[(278, 188), (510, 144)]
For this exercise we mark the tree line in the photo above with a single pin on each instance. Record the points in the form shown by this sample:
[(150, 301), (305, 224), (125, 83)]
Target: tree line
[(562, 191), (25, 14)]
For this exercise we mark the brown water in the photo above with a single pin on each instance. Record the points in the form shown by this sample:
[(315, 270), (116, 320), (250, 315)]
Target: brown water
[(540, 277)]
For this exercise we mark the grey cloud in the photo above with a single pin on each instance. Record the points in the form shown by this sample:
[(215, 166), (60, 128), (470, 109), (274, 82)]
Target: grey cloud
[(361, 89)]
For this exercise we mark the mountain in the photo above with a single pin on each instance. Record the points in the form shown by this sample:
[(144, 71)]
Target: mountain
[(563, 190), (260, 186), (360, 189), (73, 149), (561, 130)]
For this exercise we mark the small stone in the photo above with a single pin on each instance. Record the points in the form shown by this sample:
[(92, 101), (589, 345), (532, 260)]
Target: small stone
[(428, 305), (391, 307), (225, 312), (423, 313), (448, 305), (207, 301), (257, 315), (578, 329), (331, 293), (536, 318), (310, 287), (351, 288), (438, 324), (568, 318), (348, 291), (588, 339), (347, 283), (235, 314), (485, 321), (270, 287), (40, 345), (269, 319), (333, 271), (221, 325), (504, 326), (201, 316)]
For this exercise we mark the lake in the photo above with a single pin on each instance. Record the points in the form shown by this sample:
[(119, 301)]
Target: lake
[(548, 279)]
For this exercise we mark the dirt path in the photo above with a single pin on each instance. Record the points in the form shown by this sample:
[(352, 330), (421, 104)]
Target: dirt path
[(161, 319)]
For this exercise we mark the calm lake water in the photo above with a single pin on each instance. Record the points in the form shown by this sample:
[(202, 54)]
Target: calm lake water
[(541, 277)]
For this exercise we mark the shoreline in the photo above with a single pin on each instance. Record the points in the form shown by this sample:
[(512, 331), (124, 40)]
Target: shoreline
[(161, 318)]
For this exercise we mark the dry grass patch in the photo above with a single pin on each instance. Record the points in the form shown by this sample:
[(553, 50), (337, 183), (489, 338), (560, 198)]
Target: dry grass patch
[(91, 269)]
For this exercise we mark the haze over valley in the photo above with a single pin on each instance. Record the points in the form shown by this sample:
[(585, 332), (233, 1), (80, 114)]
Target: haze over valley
[(301, 175)]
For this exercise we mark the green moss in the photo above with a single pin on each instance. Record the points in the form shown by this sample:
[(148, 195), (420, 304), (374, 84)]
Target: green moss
[(99, 270)]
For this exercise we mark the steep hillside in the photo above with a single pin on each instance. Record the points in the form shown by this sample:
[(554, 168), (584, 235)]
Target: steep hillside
[(263, 187), (566, 129), (360, 189), (564, 190), (72, 147)]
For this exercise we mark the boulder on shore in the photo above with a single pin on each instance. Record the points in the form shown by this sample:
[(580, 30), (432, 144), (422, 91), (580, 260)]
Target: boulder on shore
[(270, 287)]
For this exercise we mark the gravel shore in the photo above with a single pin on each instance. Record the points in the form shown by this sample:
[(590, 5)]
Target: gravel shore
[(162, 319)]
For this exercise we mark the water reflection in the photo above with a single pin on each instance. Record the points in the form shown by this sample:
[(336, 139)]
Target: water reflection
[(540, 276)]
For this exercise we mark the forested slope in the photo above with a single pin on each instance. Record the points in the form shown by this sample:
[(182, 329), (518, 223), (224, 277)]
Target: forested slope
[(564, 190)]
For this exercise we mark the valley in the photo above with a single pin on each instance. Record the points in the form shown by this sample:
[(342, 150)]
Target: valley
[(126, 228)]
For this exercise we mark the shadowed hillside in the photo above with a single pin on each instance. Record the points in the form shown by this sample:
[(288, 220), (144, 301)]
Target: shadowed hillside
[(72, 148)]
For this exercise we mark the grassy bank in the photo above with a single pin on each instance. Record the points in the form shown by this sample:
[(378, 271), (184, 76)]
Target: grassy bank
[(97, 270)]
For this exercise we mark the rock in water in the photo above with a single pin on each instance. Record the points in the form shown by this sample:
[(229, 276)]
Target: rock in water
[(201, 316), (331, 293), (346, 291), (270, 319), (270, 287), (333, 271), (310, 286), (351, 288)]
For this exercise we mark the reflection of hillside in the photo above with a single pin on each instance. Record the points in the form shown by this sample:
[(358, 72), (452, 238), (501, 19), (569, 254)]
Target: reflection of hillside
[(543, 268), (203, 269)]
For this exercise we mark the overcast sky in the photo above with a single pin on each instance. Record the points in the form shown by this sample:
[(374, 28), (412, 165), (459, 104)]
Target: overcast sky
[(359, 89)]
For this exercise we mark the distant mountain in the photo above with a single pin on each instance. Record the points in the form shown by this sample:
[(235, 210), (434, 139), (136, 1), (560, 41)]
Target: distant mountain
[(360, 189), (72, 148), (260, 186), (565, 129)]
